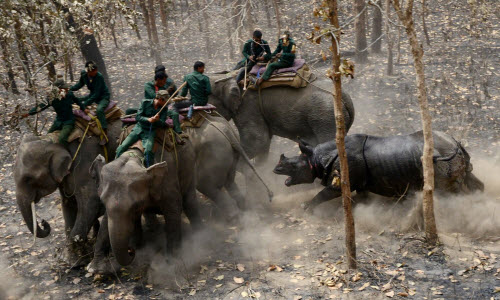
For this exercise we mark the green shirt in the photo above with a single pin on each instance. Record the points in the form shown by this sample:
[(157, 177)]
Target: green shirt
[(251, 48), (198, 86), (96, 85), (286, 56), (150, 88), (62, 106), (146, 111)]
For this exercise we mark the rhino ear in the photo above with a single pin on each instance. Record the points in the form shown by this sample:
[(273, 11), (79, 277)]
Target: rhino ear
[(282, 157), (60, 163), (305, 148)]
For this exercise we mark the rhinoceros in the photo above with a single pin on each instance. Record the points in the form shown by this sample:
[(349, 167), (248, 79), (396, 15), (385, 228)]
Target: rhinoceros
[(387, 166)]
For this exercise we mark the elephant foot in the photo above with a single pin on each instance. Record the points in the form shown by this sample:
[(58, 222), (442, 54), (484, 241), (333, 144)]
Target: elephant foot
[(103, 266), (76, 256)]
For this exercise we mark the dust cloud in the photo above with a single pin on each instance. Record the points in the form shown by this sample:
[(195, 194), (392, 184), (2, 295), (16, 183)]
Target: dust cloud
[(10, 285)]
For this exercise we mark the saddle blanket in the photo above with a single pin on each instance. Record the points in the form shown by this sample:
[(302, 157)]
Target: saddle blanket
[(297, 64)]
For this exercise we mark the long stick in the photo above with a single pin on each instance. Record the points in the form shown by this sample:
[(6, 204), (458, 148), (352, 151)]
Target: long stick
[(245, 82), (173, 95)]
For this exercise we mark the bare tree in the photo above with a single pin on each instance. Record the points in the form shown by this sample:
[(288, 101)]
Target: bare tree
[(163, 17), (389, 38), (360, 31), (278, 17), (424, 25), (377, 28), (406, 18)]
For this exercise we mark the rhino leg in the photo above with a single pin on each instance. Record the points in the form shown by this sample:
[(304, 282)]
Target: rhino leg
[(328, 193)]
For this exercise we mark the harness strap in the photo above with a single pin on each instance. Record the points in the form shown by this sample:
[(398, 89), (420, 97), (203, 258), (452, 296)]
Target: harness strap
[(171, 131), (81, 142), (102, 136)]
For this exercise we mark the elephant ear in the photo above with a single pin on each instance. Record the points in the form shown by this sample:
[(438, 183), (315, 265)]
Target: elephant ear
[(305, 148), (233, 97), (156, 173), (59, 164), (96, 167)]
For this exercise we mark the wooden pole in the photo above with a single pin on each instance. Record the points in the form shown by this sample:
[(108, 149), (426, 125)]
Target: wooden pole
[(171, 97)]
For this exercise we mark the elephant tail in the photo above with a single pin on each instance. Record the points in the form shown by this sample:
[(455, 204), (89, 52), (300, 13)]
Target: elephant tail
[(234, 141), (349, 106)]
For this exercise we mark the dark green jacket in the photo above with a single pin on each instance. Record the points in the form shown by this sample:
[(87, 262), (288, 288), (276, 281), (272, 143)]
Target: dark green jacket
[(150, 89), (146, 111), (198, 86), (251, 48), (286, 56), (63, 107), (96, 85)]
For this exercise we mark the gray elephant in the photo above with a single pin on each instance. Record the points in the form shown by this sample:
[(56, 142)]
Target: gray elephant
[(128, 190), (218, 151), (283, 111), (387, 166), (41, 167)]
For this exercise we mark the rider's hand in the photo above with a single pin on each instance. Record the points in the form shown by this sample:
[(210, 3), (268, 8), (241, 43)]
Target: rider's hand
[(154, 119), (251, 58), (87, 111), (260, 58), (278, 55)]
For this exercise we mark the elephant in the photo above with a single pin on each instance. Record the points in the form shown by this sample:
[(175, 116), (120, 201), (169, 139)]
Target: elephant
[(218, 151), (387, 166), (41, 167), (284, 111), (129, 190)]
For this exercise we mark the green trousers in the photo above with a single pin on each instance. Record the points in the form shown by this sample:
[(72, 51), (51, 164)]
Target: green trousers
[(274, 66), (170, 113), (148, 141), (101, 106), (65, 127)]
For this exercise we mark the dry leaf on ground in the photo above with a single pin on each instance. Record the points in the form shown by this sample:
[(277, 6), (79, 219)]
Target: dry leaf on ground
[(238, 279)]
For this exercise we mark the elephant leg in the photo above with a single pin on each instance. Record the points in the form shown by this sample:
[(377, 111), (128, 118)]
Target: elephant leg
[(70, 210), (95, 229), (151, 221), (222, 200), (173, 232), (100, 263), (190, 207), (233, 190), (328, 193)]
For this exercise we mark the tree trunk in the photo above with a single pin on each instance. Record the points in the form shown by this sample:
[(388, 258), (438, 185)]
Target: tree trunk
[(87, 43), (229, 33), (390, 65), (277, 13), (377, 28), (360, 31), (11, 83), (145, 13), (250, 21), (427, 162), (340, 140), (424, 25), (163, 17), (136, 27), (267, 8), (155, 45)]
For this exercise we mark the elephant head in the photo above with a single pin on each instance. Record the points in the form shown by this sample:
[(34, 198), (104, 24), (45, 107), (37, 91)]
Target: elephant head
[(125, 187), (226, 96), (39, 169)]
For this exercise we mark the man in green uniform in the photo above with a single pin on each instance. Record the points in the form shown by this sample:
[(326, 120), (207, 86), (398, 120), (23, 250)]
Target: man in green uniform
[(160, 82), (61, 100), (285, 52), (198, 86), (148, 121), (253, 51), (99, 92)]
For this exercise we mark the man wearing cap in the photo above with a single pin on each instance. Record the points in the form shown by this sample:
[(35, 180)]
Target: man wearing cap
[(148, 121), (198, 86), (285, 52), (61, 99), (99, 92), (254, 51), (160, 82)]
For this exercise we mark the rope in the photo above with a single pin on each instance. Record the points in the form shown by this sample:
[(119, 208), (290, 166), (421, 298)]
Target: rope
[(102, 136), (81, 142), (171, 131), (163, 146)]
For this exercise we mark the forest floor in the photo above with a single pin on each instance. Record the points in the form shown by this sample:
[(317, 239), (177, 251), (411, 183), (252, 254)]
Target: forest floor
[(286, 253)]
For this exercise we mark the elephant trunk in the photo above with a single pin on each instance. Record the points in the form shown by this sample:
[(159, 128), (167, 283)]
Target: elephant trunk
[(25, 204), (119, 235)]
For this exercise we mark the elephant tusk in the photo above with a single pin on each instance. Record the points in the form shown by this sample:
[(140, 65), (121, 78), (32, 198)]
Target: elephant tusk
[(33, 210)]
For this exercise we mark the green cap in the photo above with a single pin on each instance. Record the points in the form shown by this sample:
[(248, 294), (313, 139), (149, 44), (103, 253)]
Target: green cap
[(162, 94)]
